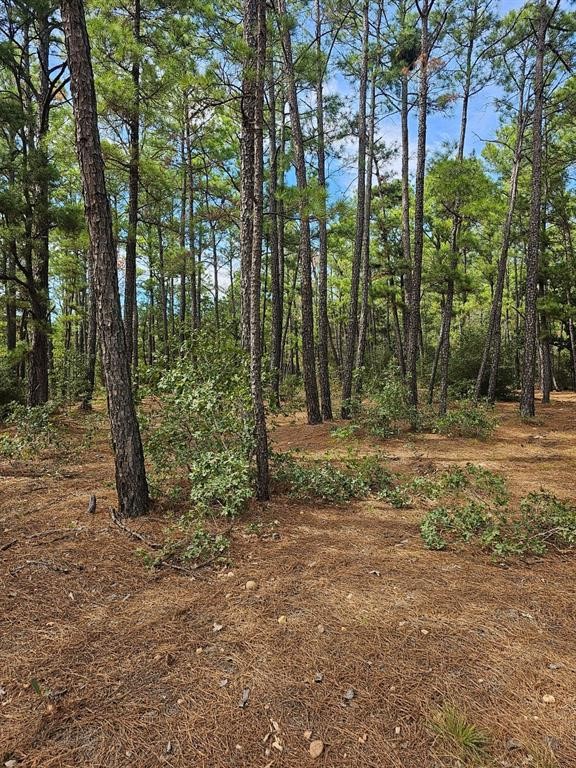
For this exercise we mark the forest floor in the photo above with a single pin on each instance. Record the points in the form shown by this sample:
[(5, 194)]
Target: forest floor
[(104, 662)]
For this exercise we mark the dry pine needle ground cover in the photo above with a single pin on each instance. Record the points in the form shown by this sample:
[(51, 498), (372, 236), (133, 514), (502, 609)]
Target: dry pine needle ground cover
[(105, 663)]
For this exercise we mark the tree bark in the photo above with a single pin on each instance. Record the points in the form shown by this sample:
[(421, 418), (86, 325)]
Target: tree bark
[(247, 143), (276, 241), (38, 359), (366, 271), (352, 333), (304, 248), (130, 299), (323, 323), (405, 163), (416, 270), (92, 334), (527, 406), (131, 482), (261, 437), (182, 230)]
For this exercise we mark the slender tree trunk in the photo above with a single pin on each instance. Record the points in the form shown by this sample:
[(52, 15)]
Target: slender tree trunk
[(182, 232), (38, 359), (92, 335), (416, 271), (323, 370), (162, 285), (130, 300), (527, 407), (129, 457), (456, 225), (191, 239), (365, 260), (405, 172), (352, 334), (493, 339), (275, 265), (261, 437), (11, 326), (247, 107), (304, 249)]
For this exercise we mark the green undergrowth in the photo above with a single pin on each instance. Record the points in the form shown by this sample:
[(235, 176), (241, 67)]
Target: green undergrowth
[(33, 430), (540, 523), (328, 480), (186, 544), (453, 483), (458, 737)]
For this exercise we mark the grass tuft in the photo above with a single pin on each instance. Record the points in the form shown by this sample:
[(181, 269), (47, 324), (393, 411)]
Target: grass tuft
[(463, 739)]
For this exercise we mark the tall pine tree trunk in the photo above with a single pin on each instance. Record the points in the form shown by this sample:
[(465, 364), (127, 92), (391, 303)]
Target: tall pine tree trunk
[(92, 334), (352, 333), (416, 270), (247, 108), (261, 437), (182, 228), (527, 407), (304, 249), (38, 359), (276, 287), (365, 261), (323, 323), (130, 300), (129, 457)]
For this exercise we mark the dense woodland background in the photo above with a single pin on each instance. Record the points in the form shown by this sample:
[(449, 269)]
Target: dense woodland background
[(268, 233)]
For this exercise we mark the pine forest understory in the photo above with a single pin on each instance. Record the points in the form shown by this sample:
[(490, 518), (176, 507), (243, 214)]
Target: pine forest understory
[(287, 383)]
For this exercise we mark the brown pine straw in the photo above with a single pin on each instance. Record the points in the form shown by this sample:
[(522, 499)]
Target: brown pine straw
[(114, 646)]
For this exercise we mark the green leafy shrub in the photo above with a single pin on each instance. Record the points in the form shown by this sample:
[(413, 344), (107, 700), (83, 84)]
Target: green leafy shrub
[(345, 432), (69, 376), (396, 495), (330, 481), (466, 419), (457, 480), (220, 479), (11, 388), (388, 407), (187, 544), (454, 483), (199, 434), (465, 363), (463, 523), (543, 520), (34, 431)]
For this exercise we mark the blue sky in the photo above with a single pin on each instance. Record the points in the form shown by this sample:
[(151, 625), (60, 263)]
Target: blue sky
[(443, 127)]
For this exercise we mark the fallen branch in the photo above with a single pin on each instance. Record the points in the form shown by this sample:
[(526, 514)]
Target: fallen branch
[(8, 544), (45, 564), (134, 534)]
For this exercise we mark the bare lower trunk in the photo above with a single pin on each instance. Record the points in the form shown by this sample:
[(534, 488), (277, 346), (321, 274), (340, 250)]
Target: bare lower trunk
[(416, 271), (304, 249), (129, 457), (261, 437), (92, 336), (352, 333), (130, 325), (276, 241), (366, 271), (527, 407), (491, 352), (182, 230), (323, 370), (38, 362), (247, 107)]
